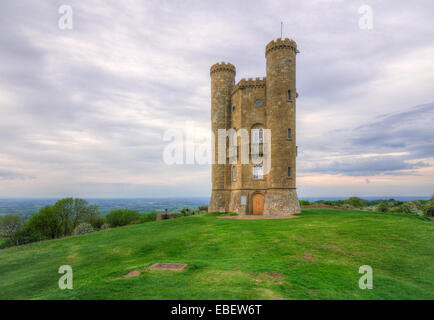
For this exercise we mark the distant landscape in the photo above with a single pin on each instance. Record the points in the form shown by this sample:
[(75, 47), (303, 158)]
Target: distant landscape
[(28, 206)]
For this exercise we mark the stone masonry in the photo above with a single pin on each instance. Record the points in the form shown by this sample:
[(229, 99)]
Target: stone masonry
[(257, 104)]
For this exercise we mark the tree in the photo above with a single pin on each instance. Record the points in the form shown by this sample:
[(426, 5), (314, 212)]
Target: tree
[(355, 202), (9, 225), (75, 211), (122, 217), (46, 224), (383, 207), (64, 209), (92, 216)]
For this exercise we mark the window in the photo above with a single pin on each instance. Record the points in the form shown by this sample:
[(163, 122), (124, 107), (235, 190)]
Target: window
[(289, 171), (258, 103), (258, 171), (233, 108), (289, 95), (234, 173), (243, 200), (289, 62), (289, 133), (257, 134)]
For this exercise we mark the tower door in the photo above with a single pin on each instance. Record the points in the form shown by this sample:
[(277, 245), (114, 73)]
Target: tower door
[(258, 204)]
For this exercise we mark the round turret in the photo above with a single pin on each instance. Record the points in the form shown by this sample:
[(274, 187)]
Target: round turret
[(278, 44), (281, 94), (222, 82), (223, 66)]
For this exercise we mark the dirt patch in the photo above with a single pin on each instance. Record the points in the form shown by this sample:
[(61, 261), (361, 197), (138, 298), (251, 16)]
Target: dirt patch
[(309, 257), (131, 274), (268, 294), (122, 252), (267, 277), (168, 266), (255, 217), (334, 248), (275, 274)]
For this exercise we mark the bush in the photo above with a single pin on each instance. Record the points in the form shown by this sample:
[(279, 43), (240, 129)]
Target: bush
[(7, 243), (9, 225), (26, 235), (383, 207), (186, 212), (203, 208), (122, 217), (355, 202), (105, 226), (96, 223), (304, 202), (429, 211), (46, 224), (147, 217), (83, 228), (408, 208)]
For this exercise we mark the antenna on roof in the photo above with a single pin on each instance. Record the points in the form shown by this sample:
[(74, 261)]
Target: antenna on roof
[(281, 29)]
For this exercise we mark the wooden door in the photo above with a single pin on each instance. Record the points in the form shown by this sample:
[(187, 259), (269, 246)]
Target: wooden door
[(258, 204)]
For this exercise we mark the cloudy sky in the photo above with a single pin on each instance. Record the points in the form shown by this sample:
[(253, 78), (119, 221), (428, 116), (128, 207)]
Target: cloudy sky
[(83, 112)]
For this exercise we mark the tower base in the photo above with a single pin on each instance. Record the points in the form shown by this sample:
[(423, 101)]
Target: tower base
[(218, 201), (281, 202)]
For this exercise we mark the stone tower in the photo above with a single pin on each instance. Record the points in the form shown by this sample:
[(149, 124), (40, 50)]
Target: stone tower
[(265, 109), (222, 82)]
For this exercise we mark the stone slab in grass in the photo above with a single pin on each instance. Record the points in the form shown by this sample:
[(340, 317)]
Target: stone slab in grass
[(134, 273), (168, 266)]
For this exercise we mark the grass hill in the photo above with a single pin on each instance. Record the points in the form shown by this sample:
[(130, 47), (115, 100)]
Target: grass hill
[(315, 256)]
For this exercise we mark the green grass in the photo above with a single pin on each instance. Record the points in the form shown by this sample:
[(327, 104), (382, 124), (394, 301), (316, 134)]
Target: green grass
[(315, 256)]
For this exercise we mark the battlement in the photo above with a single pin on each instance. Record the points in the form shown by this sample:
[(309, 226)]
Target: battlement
[(249, 83), (222, 66), (281, 44)]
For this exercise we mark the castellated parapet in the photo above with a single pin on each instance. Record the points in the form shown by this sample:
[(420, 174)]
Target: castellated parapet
[(259, 104)]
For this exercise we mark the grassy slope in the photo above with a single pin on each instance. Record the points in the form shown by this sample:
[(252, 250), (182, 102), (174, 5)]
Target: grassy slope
[(316, 256)]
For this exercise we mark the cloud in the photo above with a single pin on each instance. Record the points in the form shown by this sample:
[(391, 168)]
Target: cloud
[(409, 131), (370, 166), (8, 175), (85, 110)]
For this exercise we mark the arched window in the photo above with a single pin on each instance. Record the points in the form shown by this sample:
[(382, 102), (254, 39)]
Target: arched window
[(257, 134), (257, 140)]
